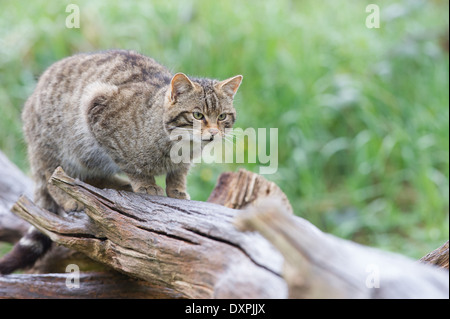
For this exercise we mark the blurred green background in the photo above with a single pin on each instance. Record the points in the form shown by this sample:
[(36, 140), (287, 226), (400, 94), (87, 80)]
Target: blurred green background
[(362, 114)]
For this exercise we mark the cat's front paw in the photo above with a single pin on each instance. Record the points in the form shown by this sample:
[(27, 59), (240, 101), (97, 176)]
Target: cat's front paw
[(175, 193), (151, 190)]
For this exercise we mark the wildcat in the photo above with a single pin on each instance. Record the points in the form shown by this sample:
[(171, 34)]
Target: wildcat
[(98, 114)]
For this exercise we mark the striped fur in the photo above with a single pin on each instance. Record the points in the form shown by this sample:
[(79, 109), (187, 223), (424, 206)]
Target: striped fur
[(98, 114)]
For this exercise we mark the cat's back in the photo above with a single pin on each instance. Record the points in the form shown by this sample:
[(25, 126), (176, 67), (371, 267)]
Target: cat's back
[(64, 81), (52, 117), (55, 102)]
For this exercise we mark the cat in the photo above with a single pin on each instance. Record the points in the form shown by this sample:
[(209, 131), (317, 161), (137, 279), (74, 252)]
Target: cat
[(102, 113)]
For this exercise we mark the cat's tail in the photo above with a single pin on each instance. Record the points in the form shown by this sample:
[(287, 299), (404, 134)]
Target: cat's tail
[(26, 252)]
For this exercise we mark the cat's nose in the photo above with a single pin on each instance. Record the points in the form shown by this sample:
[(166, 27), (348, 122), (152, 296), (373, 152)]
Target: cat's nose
[(213, 131)]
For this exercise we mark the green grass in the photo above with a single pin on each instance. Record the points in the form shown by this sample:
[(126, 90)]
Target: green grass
[(362, 114)]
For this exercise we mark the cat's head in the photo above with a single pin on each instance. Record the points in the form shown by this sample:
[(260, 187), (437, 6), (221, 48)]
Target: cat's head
[(202, 107)]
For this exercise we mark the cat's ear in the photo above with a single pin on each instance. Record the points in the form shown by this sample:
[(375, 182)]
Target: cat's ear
[(180, 84), (230, 86)]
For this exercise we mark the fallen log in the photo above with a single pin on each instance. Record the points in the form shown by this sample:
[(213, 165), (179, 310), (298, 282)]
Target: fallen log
[(189, 247), (319, 265), (245, 189), (97, 284), (438, 257), (89, 285), (168, 248), (48, 276), (13, 183)]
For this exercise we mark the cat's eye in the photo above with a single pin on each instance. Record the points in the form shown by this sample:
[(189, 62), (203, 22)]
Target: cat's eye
[(198, 115), (222, 116)]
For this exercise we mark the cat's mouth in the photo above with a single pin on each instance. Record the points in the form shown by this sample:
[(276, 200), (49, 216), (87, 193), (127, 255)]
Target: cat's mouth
[(210, 137), (187, 135)]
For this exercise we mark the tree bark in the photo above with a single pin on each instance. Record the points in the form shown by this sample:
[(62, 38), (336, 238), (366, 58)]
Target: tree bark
[(13, 183), (189, 247), (52, 283), (167, 248), (99, 285), (245, 189), (319, 265), (438, 257)]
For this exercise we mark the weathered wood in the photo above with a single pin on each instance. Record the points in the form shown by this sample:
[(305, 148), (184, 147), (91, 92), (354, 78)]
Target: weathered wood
[(438, 257), (319, 265), (182, 249), (13, 183), (104, 284), (189, 247), (244, 189), (91, 285)]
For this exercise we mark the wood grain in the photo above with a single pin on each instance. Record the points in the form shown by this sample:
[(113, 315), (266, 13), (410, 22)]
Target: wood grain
[(189, 247)]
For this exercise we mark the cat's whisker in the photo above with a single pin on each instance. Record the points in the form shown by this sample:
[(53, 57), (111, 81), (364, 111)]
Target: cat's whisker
[(229, 140), (235, 132), (229, 136)]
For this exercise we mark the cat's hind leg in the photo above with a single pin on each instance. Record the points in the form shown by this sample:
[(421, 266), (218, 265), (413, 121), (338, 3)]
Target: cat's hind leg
[(34, 244)]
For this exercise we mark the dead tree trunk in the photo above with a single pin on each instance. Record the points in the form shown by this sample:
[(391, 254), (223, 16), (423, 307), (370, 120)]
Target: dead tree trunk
[(171, 248), (191, 248), (244, 189), (13, 183), (438, 257), (99, 285), (319, 265)]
